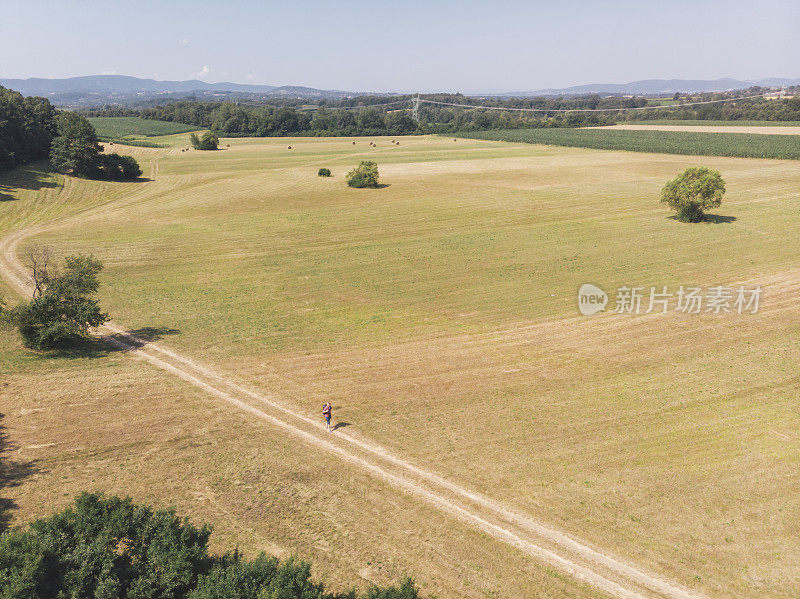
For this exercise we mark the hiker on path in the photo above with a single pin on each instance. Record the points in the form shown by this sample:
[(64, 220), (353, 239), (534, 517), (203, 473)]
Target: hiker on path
[(327, 410)]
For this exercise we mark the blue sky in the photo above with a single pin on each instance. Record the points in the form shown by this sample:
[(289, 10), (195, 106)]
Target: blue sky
[(500, 45)]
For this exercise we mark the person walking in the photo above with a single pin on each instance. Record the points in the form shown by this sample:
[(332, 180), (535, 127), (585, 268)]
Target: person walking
[(327, 410)]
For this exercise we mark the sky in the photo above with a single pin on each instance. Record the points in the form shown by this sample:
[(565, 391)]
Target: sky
[(403, 46)]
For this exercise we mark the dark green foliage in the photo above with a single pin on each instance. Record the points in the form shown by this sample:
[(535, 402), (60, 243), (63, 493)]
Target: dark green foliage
[(62, 309), (120, 168), (75, 149), (103, 547), (109, 548), (209, 141), (364, 175), (693, 192), (324, 172), (743, 145), (27, 127)]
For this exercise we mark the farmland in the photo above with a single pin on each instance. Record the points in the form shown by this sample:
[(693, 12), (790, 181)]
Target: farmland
[(741, 145), (134, 128), (713, 123), (438, 314)]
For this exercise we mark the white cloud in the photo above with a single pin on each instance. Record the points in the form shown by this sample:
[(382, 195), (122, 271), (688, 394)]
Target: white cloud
[(202, 73), (109, 72)]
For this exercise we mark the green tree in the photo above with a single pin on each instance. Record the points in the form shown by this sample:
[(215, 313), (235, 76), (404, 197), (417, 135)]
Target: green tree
[(364, 175), (324, 172), (693, 192), (209, 141), (63, 307), (107, 547), (27, 128), (121, 168), (76, 148)]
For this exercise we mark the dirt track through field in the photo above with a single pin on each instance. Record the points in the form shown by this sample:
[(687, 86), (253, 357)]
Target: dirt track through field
[(564, 553)]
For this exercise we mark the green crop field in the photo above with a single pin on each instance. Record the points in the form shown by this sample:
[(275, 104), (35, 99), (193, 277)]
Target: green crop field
[(667, 142), (129, 129), (715, 123), (439, 315)]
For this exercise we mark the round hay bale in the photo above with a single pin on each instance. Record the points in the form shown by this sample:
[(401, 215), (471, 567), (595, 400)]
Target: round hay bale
[(289, 147), (354, 143)]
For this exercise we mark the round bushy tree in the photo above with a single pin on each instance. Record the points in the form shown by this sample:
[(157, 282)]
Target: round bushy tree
[(209, 141), (121, 168), (364, 175), (324, 172), (63, 308), (693, 192)]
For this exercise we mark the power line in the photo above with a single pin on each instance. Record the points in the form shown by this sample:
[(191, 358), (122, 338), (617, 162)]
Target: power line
[(591, 109)]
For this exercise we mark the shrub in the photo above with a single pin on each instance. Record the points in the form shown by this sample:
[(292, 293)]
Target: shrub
[(324, 172), (110, 547), (692, 192), (62, 309), (364, 175), (208, 141), (121, 168)]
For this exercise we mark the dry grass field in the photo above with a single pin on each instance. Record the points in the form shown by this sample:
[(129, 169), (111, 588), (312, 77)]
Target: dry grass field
[(439, 315)]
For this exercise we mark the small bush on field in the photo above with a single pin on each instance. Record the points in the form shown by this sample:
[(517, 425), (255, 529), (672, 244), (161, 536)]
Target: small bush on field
[(364, 175), (111, 547), (693, 192), (324, 172), (121, 168), (209, 141)]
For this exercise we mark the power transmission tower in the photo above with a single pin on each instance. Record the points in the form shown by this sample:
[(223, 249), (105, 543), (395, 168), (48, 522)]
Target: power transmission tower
[(415, 109)]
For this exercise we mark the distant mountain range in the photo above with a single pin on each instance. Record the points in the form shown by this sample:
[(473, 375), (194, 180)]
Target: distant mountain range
[(96, 90), (121, 89), (656, 87)]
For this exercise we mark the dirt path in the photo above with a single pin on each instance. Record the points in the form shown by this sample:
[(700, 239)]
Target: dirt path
[(564, 553)]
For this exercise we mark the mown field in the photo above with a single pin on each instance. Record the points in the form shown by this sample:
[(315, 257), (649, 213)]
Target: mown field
[(133, 129), (742, 145), (439, 315)]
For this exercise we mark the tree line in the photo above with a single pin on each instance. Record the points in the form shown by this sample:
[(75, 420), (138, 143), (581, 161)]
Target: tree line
[(753, 108), (390, 115), (352, 116), (32, 129)]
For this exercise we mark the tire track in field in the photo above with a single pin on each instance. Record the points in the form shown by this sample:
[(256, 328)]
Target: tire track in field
[(556, 549)]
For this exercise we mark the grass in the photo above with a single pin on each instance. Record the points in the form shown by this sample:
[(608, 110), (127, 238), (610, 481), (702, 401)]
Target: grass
[(439, 315), (742, 145)]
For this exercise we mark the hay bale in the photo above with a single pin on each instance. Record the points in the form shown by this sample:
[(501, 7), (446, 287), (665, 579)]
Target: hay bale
[(289, 147), (354, 143)]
